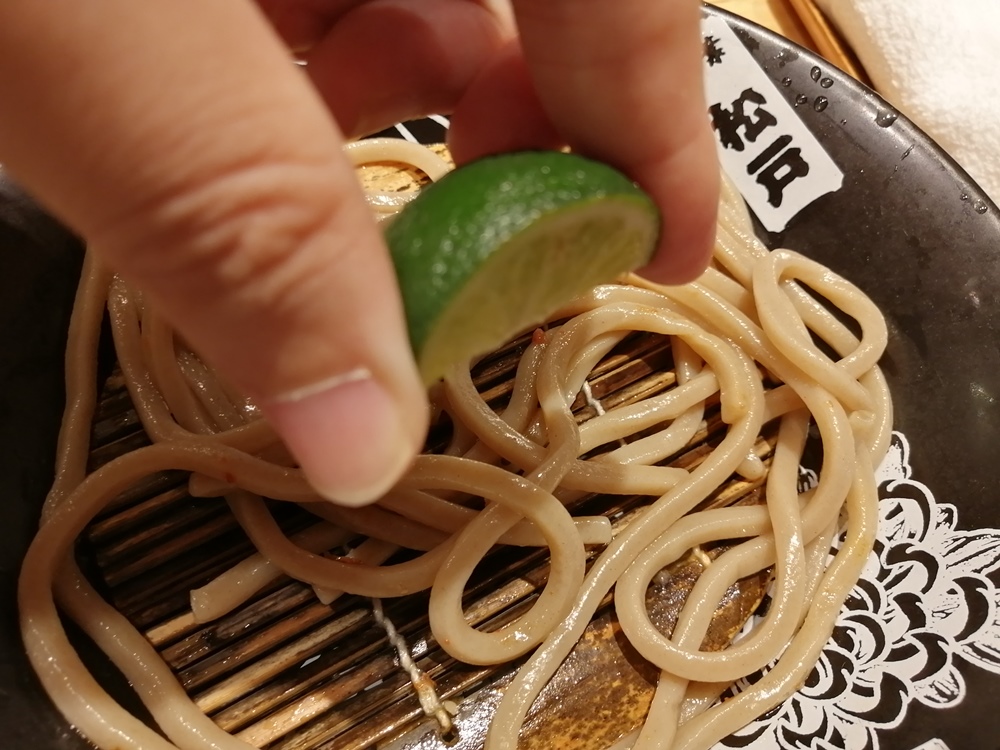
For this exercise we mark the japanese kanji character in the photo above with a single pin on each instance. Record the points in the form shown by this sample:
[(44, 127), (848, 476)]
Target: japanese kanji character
[(713, 52), (728, 122), (781, 172)]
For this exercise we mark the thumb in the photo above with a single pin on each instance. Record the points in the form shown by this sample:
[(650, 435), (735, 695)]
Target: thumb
[(179, 139)]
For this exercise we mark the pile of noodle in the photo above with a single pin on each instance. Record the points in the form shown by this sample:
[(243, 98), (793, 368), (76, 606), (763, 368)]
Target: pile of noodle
[(747, 320)]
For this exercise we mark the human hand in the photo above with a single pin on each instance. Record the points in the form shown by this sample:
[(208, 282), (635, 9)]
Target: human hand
[(180, 142)]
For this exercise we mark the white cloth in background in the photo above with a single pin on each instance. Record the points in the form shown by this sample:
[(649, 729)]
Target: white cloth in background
[(938, 62)]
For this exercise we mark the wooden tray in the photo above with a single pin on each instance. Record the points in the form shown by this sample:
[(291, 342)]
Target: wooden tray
[(804, 23)]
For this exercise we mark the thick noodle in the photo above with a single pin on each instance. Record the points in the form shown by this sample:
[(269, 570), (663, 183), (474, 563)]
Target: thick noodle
[(750, 346)]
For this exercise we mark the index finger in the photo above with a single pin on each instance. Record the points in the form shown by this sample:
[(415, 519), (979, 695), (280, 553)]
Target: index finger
[(623, 83)]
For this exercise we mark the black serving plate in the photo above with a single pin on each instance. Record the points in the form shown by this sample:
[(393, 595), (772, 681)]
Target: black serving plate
[(916, 658)]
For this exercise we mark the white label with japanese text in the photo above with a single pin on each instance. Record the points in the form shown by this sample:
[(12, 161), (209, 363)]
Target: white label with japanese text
[(776, 163)]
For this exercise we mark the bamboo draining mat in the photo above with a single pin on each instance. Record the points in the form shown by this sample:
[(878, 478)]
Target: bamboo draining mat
[(286, 672)]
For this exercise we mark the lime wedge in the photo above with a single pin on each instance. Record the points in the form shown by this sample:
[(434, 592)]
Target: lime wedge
[(499, 244)]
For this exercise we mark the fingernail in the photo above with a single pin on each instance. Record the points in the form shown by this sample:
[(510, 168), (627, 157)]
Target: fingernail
[(348, 436)]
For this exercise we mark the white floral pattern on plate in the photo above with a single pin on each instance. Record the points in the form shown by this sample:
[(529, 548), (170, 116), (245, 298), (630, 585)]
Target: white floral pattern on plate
[(924, 605)]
